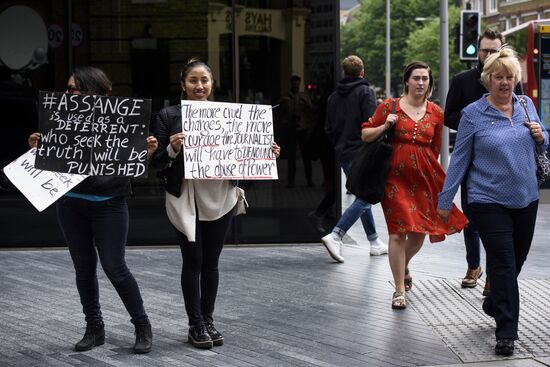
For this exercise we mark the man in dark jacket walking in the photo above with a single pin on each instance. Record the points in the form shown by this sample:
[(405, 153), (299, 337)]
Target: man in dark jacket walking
[(348, 107), (466, 87)]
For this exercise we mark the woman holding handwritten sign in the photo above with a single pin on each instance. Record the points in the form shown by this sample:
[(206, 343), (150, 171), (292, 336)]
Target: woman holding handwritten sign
[(199, 210), (94, 215)]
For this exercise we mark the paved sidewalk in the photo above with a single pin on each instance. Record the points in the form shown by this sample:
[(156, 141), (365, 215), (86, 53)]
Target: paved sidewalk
[(277, 306)]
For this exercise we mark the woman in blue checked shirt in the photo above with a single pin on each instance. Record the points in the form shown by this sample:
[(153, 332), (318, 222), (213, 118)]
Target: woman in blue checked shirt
[(496, 143)]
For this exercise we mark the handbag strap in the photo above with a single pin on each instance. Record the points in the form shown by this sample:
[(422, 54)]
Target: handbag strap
[(524, 105), (389, 133)]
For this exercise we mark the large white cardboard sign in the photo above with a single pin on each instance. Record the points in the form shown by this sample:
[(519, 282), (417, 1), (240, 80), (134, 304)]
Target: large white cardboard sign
[(228, 141), (41, 188)]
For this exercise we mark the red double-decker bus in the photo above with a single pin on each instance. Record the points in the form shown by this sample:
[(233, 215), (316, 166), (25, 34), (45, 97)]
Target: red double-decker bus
[(531, 40)]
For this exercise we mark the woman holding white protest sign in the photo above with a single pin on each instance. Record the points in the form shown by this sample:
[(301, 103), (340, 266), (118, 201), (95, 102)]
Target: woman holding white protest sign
[(199, 210), (94, 215)]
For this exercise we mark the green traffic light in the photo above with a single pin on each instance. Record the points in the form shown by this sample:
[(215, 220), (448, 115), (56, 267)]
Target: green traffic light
[(471, 50)]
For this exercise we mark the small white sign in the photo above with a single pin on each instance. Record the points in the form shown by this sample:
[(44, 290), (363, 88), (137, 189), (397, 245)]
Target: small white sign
[(41, 188), (228, 141)]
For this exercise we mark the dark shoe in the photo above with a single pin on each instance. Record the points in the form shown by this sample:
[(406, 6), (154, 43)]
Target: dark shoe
[(199, 337), (217, 338), (316, 221), (471, 277), (94, 336), (144, 338), (504, 347), (487, 307), (487, 288)]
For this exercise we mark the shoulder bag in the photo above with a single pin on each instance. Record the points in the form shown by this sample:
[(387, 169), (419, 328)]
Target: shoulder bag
[(542, 159), (370, 167)]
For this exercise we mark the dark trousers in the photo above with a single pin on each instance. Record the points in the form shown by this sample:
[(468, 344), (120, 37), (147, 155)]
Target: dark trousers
[(506, 234), (199, 274), (102, 225), (471, 235), (299, 138)]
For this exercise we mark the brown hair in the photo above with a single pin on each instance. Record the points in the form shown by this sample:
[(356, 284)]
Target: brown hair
[(418, 65), (490, 34), (353, 66)]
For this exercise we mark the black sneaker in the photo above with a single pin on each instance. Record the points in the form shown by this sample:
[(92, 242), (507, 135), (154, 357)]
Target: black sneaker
[(504, 347), (199, 337), (94, 336), (217, 338)]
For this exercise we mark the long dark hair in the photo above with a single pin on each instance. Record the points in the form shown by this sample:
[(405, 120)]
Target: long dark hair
[(190, 65), (92, 80)]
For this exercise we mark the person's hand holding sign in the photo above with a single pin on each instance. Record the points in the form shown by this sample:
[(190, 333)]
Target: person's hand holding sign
[(152, 145), (176, 141), (33, 139), (276, 149)]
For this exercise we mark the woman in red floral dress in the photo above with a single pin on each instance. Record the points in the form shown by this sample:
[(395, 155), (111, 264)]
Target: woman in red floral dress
[(416, 177)]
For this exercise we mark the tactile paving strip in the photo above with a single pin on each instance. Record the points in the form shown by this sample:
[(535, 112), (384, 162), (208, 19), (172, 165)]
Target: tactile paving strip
[(456, 315)]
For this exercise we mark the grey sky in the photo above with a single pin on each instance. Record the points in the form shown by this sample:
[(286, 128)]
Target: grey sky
[(346, 4)]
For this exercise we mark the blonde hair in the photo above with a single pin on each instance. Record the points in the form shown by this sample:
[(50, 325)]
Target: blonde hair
[(505, 59), (352, 65)]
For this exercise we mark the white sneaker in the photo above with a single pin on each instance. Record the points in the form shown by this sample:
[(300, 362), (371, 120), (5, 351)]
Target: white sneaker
[(334, 247), (377, 247)]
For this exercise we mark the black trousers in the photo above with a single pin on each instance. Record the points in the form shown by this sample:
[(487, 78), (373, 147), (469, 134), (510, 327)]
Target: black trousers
[(199, 274), (506, 235), (102, 225)]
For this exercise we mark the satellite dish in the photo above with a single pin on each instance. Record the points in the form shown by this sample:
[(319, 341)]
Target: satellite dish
[(23, 37)]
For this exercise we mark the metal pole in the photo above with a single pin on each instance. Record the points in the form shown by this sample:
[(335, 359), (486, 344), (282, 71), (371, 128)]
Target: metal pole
[(444, 75), (69, 37), (388, 55)]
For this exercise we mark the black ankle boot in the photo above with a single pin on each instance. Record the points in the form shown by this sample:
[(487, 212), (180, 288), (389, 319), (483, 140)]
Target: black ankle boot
[(144, 338), (504, 347), (199, 337), (215, 335), (94, 336)]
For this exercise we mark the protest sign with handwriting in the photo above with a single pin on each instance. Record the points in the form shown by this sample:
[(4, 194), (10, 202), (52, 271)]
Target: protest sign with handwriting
[(228, 141), (93, 135), (40, 187)]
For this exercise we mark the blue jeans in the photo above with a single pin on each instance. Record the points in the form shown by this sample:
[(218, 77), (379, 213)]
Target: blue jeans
[(102, 225), (357, 209)]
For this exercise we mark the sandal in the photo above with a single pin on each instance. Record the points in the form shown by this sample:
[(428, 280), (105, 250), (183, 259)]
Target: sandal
[(408, 280), (398, 301)]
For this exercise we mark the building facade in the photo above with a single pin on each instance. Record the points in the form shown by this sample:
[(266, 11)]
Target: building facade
[(505, 14), (253, 48)]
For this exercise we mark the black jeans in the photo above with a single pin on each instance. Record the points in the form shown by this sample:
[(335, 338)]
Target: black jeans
[(471, 235), (199, 274), (506, 235), (102, 225)]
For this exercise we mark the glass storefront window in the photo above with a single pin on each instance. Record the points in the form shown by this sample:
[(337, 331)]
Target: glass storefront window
[(277, 53)]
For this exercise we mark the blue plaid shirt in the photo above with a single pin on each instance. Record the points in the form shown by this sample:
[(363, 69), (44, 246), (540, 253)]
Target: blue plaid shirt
[(498, 155)]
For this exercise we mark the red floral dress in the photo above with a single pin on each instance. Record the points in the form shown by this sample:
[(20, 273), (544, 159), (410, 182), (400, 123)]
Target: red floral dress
[(415, 177)]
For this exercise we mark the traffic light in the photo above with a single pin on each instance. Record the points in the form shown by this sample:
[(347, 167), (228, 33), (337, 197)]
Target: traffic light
[(469, 33)]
